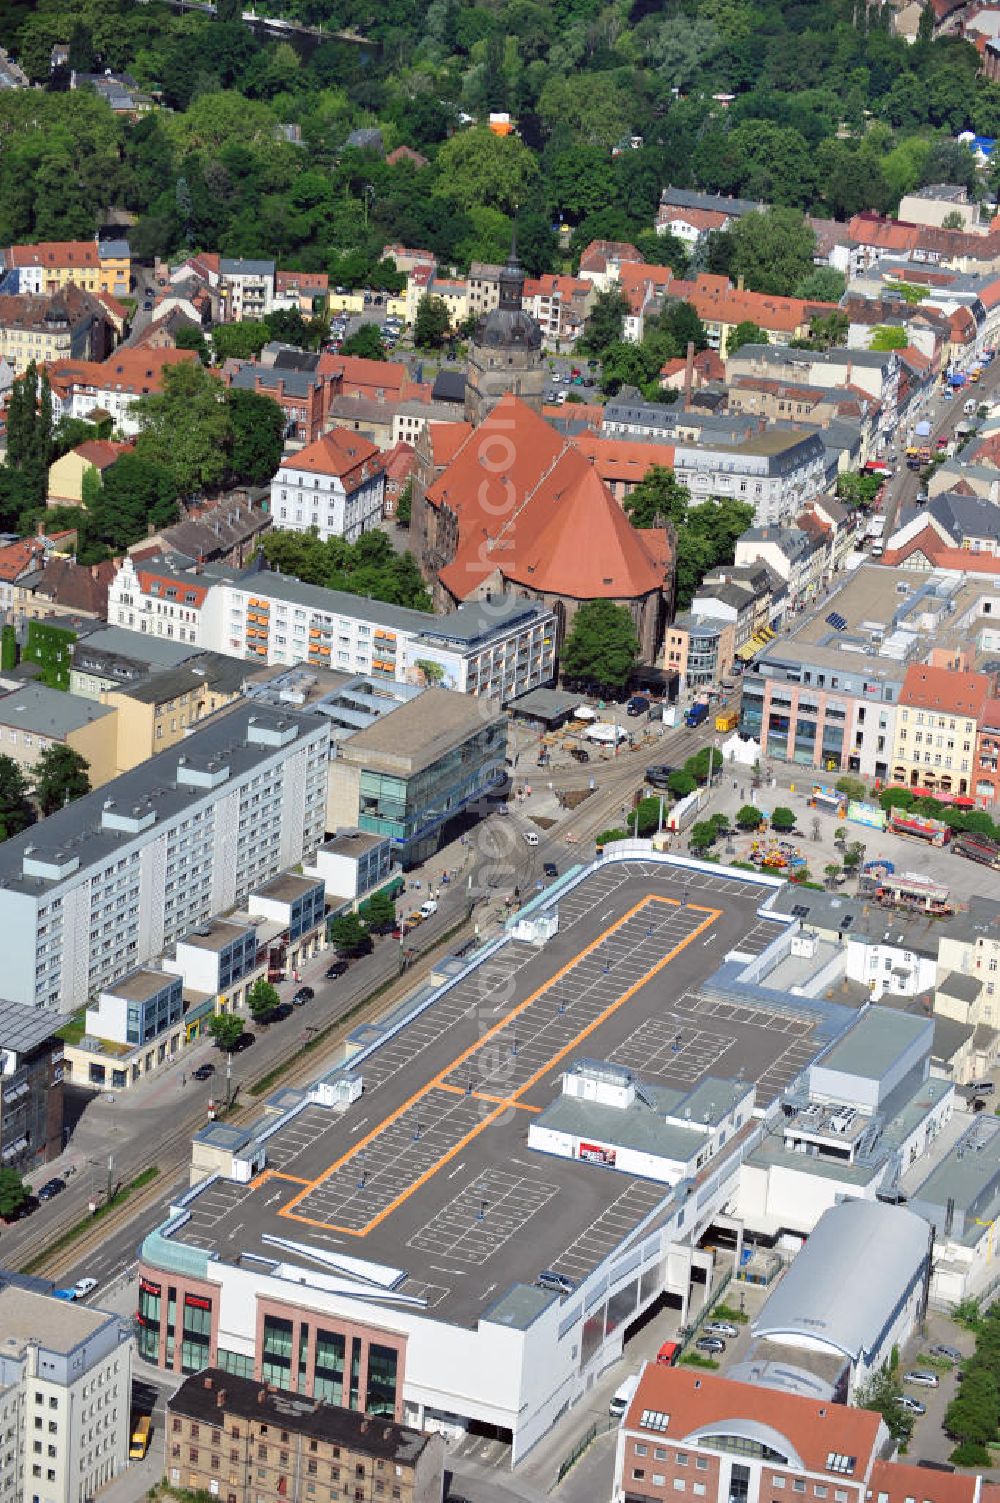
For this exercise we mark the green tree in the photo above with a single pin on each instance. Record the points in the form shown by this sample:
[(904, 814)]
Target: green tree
[(822, 285), (703, 835), (137, 496), (239, 341), (8, 649), (782, 819), (366, 342), (748, 817), (226, 1029), (681, 782), (746, 332), (477, 168), (881, 1393), (190, 337), (852, 787), (185, 428), (887, 337), (601, 647), (371, 566), (432, 323), (262, 998), (605, 319), (29, 432), (831, 872), (350, 935), (13, 1194), (16, 812), (379, 911), (773, 251), (61, 775), (404, 506), (659, 497), (257, 427)]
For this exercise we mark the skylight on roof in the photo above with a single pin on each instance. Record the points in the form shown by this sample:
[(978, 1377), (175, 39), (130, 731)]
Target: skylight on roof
[(838, 1462), (654, 1419)]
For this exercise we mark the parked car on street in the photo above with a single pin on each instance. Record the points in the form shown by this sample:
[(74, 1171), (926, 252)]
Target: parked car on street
[(711, 1344), (51, 1187), (304, 994), (203, 1072)]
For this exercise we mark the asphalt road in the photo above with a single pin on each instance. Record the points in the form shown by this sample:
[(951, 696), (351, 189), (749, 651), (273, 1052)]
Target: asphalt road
[(944, 416)]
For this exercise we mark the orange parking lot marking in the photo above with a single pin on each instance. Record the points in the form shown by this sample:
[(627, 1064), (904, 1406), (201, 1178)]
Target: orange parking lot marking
[(457, 1090), (439, 1082)]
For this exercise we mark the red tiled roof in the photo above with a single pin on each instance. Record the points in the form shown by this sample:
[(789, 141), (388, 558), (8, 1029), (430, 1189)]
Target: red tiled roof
[(101, 452), (364, 375), (945, 689), (56, 254), (399, 461), (815, 1429), (405, 154), (17, 558), (136, 372), (899, 1481), (149, 577), (599, 252), (446, 439), (524, 497), (591, 413), (77, 587), (338, 452), (308, 281), (622, 458)]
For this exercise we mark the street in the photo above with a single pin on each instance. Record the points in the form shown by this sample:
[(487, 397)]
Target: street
[(944, 415)]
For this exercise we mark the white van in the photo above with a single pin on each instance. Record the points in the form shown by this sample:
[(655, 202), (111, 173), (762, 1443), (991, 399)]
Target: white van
[(623, 1396), (530, 838)]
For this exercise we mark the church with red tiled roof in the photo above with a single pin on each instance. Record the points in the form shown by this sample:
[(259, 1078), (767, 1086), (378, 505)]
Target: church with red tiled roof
[(515, 505)]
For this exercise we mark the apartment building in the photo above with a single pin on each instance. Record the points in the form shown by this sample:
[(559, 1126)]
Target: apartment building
[(96, 266), (498, 648), (31, 1088), (66, 325), (777, 471), (164, 597), (246, 289), (65, 1395), (161, 710), (81, 387), (230, 1436), (937, 726), (335, 486), (801, 557), (35, 718), (868, 373), (105, 884)]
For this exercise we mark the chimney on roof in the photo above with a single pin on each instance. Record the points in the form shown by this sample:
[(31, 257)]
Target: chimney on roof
[(207, 1382), (220, 1399), (740, 283), (261, 1395)]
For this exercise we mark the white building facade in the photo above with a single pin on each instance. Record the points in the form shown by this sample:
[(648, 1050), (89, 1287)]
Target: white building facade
[(104, 885)]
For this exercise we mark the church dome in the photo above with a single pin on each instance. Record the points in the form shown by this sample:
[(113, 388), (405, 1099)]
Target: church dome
[(508, 329)]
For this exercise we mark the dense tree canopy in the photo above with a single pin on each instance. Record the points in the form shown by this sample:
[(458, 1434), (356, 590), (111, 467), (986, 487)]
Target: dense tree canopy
[(368, 567), (831, 113)]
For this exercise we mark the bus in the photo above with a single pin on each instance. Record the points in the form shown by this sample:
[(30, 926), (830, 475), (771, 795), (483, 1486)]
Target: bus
[(140, 1439)]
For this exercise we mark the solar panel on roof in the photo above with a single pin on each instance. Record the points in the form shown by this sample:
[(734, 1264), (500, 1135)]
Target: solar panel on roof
[(837, 620)]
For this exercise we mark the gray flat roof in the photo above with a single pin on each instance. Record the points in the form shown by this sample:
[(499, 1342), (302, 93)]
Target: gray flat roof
[(24, 1028), (416, 1210), (352, 842), (286, 887), (476, 620), (967, 1172), (215, 934), (138, 646), (139, 985), (210, 670), (875, 1042), (334, 602), (57, 1324), (545, 704), (49, 712), (78, 829), (421, 729)]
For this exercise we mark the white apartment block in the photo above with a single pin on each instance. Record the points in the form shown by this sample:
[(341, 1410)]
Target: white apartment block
[(107, 883), (497, 648), (246, 289), (65, 1395), (334, 486)]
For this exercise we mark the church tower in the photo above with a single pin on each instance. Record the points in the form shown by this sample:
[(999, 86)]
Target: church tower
[(505, 354)]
